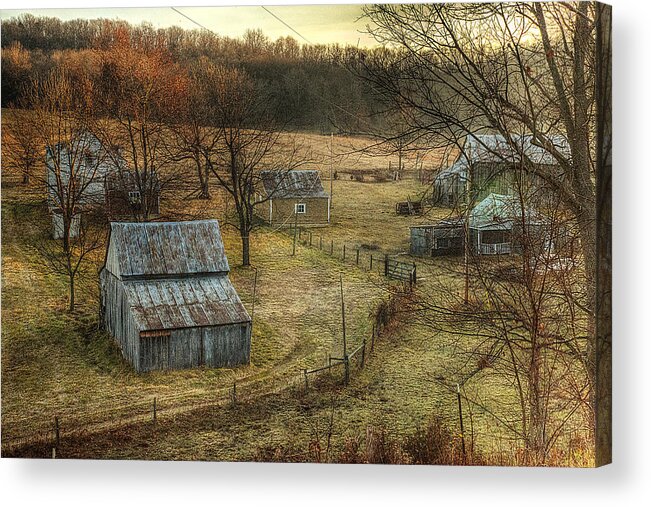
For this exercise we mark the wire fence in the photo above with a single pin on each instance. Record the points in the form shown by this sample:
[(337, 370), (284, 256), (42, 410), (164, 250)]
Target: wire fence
[(369, 259), (51, 431)]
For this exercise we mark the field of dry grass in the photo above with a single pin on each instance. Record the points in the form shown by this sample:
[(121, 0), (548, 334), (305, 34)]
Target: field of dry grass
[(54, 363)]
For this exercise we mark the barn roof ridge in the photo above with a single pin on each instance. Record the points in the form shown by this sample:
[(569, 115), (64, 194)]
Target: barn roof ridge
[(494, 148), (159, 250)]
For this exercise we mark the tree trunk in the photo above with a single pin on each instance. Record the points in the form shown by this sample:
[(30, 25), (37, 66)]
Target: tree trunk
[(204, 172), (71, 305), (205, 188), (536, 425), (246, 261)]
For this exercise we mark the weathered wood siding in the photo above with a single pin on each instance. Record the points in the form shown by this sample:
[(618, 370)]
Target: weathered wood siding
[(448, 191), (282, 211), (227, 345), (425, 241), (117, 318), (214, 347)]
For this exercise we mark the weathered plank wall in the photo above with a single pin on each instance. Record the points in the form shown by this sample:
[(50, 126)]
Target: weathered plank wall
[(316, 211), (117, 318), (214, 347)]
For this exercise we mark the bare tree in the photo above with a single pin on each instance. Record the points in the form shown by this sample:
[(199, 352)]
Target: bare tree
[(197, 134), (524, 67), (138, 91), (62, 112), (520, 326), (249, 142), (23, 143)]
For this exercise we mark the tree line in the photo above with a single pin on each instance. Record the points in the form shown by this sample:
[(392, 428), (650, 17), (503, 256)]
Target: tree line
[(310, 83)]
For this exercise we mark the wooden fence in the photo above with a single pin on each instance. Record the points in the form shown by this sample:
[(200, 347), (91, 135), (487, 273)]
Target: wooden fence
[(398, 270), (51, 430)]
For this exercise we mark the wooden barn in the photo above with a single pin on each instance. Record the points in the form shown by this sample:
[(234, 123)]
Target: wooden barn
[(290, 197), (167, 300), (445, 237), (449, 187), (490, 163)]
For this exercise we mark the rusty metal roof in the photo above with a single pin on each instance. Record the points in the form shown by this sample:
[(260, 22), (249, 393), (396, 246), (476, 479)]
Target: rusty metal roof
[(161, 249), (176, 303), (292, 184)]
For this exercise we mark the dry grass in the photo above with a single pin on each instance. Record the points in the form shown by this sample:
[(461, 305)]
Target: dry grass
[(54, 363)]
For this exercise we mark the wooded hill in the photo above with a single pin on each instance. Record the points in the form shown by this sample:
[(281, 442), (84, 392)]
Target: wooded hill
[(309, 84)]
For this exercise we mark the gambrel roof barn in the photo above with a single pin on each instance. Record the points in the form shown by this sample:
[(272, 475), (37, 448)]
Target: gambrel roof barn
[(167, 298)]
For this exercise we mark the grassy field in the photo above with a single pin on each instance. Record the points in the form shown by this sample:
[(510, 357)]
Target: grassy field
[(55, 363)]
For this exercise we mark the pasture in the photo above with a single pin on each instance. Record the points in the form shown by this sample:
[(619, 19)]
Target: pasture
[(55, 363)]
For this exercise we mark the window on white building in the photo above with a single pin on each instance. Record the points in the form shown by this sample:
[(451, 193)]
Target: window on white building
[(299, 208)]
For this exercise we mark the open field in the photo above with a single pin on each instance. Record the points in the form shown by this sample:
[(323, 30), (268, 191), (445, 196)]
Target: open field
[(54, 363)]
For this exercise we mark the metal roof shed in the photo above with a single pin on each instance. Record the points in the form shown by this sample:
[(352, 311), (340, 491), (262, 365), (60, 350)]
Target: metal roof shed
[(293, 197), (167, 299)]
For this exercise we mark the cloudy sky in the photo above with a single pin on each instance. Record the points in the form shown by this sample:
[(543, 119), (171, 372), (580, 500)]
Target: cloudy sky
[(316, 23)]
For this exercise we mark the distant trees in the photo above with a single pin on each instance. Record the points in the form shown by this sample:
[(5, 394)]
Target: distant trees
[(16, 70), (139, 89), (310, 86)]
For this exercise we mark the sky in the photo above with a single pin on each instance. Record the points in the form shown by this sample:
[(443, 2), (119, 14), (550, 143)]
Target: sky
[(315, 23)]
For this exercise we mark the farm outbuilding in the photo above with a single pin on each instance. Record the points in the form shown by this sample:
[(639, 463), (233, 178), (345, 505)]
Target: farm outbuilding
[(167, 299), (490, 163), (445, 237), (291, 197), (495, 227), (91, 175)]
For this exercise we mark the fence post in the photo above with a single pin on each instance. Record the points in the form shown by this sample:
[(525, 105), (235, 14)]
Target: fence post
[(463, 438), (310, 238), (332, 246), (386, 264), (234, 394), (363, 351), (357, 257), (371, 268), (153, 412), (344, 251), (414, 273), (373, 338), (320, 242), (57, 434), (305, 375)]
